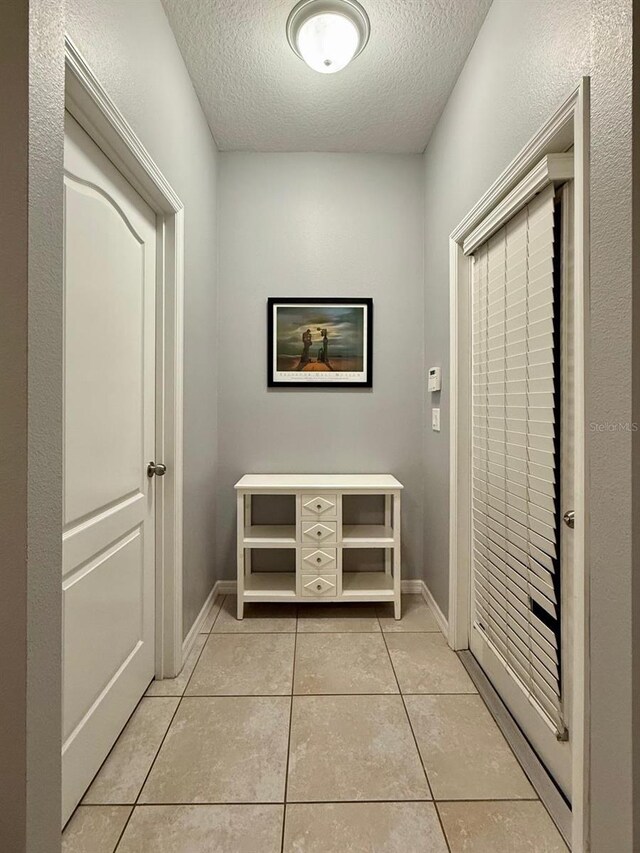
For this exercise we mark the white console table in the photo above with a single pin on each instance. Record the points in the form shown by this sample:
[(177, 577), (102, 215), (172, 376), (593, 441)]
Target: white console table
[(318, 539)]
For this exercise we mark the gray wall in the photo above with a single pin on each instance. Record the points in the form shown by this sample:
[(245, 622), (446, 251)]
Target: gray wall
[(321, 225), (635, 272), (31, 139), (132, 49), (614, 358), (527, 59)]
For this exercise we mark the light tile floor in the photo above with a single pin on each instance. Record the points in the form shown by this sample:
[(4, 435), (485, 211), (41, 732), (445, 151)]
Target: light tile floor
[(323, 730)]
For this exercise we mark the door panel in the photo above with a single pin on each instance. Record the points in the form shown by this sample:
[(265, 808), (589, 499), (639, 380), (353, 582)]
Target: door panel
[(104, 611), (109, 428), (104, 320)]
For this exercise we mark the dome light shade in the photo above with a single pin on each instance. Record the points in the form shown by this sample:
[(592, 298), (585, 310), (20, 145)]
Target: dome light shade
[(328, 42), (328, 34)]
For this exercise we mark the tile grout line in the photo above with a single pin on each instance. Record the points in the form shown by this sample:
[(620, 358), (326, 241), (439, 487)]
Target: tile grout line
[(133, 806), (286, 770), (82, 804), (126, 824), (275, 695), (395, 633), (336, 631), (435, 804), (444, 833), (415, 740), (310, 802), (164, 737), (97, 773)]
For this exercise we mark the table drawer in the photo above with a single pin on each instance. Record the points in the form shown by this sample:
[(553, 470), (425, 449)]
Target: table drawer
[(320, 586), (322, 531), (316, 560), (319, 506)]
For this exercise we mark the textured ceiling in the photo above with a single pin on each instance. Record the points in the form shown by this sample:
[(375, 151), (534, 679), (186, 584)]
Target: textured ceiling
[(259, 96)]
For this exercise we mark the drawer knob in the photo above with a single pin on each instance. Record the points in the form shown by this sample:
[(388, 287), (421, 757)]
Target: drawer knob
[(319, 506), (318, 559), (319, 533), (319, 586)]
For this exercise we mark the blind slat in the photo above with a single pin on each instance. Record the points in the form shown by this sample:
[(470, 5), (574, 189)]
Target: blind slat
[(517, 598), (519, 633), (516, 610)]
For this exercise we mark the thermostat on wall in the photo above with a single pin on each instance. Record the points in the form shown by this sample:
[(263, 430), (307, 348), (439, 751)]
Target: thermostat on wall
[(435, 378)]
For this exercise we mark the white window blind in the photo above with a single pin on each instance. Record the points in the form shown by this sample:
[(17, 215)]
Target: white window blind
[(515, 452)]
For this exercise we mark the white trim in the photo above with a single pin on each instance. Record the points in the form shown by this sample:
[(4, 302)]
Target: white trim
[(412, 586), (580, 727), (416, 586), (191, 637), (91, 106), (227, 587), (460, 449), (552, 169), (556, 134), (441, 619), (568, 126), (219, 589)]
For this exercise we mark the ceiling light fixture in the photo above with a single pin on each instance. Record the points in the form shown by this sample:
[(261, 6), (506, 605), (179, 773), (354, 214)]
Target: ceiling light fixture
[(328, 34)]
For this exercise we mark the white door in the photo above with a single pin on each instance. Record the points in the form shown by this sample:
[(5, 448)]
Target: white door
[(109, 425), (523, 472)]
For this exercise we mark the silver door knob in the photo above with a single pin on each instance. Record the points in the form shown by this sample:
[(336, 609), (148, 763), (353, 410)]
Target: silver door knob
[(569, 518), (156, 469)]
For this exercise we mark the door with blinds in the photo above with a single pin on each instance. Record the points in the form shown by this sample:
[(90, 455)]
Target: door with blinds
[(522, 405)]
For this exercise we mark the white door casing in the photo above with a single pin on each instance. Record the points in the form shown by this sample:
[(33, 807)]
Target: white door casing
[(108, 573), (91, 106)]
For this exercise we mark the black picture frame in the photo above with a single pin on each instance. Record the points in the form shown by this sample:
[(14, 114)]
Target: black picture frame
[(341, 378)]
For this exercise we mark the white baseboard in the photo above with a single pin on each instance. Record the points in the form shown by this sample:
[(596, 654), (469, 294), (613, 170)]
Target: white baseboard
[(226, 587), (419, 587), (441, 619), (219, 588), (190, 639), (411, 586)]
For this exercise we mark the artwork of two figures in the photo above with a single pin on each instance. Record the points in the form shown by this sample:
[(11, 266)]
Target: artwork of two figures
[(320, 342), (307, 361)]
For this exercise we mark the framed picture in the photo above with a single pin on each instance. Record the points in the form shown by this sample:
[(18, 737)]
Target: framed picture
[(320, 343)]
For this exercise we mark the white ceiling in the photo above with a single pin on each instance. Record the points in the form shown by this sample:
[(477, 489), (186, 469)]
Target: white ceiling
[(259, 96)]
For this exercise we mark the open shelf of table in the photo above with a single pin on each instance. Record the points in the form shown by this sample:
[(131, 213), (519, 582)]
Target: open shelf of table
[(270, 536), (261, 586), (361, 583), (367, 536)]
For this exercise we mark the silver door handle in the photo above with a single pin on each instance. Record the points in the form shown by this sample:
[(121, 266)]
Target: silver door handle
[(569, 518), (157, 469)]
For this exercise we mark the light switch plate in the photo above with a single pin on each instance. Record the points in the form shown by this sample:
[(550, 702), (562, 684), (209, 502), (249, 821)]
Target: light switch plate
[(435, 420)]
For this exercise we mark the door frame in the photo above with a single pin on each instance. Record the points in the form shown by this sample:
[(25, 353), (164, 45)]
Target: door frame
[(91, 106), (569, 126)]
